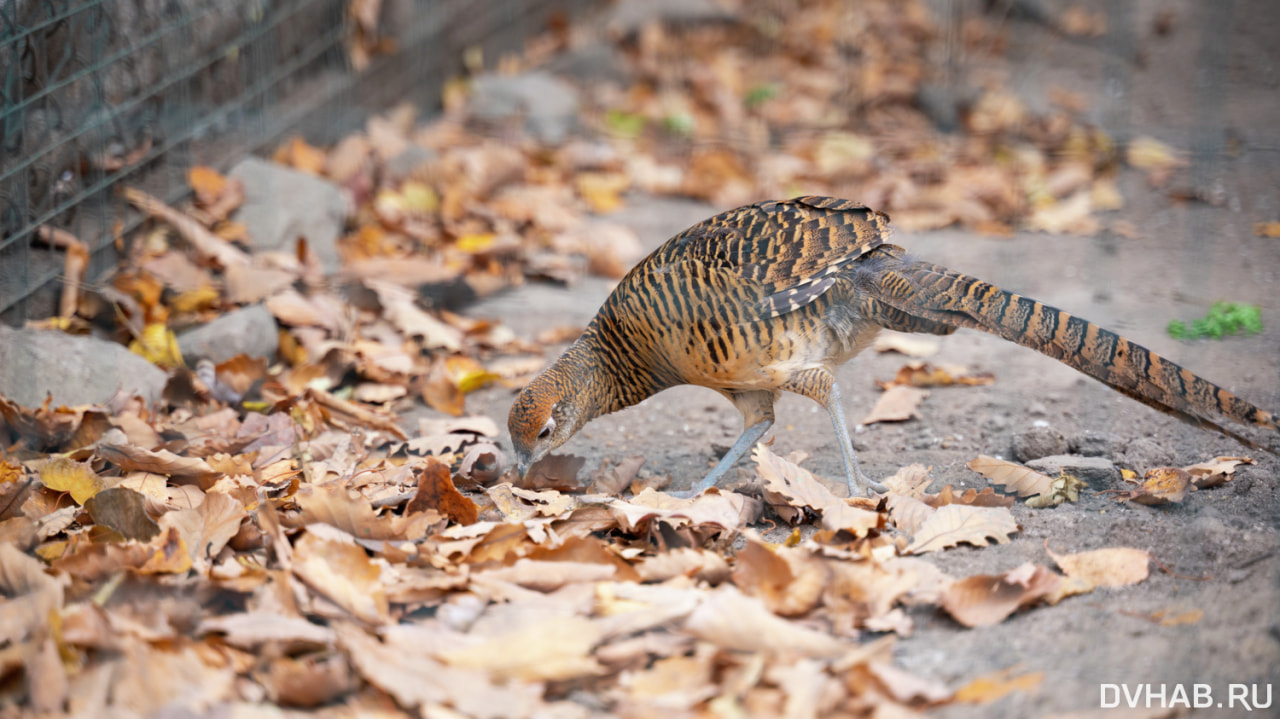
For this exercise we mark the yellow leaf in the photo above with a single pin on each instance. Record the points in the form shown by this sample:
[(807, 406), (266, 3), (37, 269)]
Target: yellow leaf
[(158, 345), (419, 197), (1266, 229), (476, 242), (208, 183), (193, 300), (67, 475), (171, 556)]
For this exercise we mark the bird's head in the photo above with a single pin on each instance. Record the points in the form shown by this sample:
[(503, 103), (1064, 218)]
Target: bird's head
[(543, 417)]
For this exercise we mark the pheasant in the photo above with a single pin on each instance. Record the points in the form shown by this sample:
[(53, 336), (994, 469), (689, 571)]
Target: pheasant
[(775, 296)]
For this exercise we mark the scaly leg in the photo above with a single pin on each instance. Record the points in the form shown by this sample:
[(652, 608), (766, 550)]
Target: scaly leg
[(820, 386), (757, 417)]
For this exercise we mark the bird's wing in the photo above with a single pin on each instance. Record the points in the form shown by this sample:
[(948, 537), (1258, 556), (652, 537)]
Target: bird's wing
[(791, 250)]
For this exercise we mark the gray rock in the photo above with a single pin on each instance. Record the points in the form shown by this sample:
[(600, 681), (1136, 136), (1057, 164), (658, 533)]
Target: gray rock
[(629, 16), (251, 331), (413, 157), (593, 62), (1037, 442), (76, 370), (548, 105), (1145, 453), (282, 205), (1097, 471), (1091, 444)]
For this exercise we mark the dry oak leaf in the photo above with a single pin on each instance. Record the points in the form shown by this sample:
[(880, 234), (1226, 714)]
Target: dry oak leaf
[(30, 595), (1216, 471), (554, 649), (908, 513), (724, 613), (1013, 477), (983, 600), (250, 630), (986, 498), (956, 523), (721, 509), (307, 682), (698, 564), (332, 503), (910, 481), (436, 491), (329, 561), (788, 484), (131, 458), (403, 667), (898, 404), (1109, 567), (789, 580)]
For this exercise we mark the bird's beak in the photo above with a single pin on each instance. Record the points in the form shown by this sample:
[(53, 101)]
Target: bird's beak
[(522, 465)]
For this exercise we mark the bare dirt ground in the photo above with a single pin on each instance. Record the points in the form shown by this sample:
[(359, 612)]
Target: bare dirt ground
[(1209, 85)]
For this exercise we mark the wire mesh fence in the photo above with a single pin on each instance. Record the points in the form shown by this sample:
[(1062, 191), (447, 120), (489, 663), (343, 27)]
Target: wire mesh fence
[(97, 93)]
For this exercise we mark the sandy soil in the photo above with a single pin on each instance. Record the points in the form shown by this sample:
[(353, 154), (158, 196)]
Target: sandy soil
[(1221, 547)]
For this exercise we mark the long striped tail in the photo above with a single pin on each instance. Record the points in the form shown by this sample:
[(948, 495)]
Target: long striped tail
[(934, 297)]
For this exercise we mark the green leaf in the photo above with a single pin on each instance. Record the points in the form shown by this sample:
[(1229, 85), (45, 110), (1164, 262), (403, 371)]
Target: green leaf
[(1224, 318)]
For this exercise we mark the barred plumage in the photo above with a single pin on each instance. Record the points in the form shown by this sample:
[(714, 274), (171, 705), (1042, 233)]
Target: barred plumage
[(775, 296)]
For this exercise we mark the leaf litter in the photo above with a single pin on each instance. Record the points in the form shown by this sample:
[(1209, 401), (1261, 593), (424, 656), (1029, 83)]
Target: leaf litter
[(275, 534)]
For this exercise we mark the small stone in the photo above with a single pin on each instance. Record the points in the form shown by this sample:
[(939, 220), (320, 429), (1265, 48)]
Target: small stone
[(1097, 471), (75, 370), (548, 105), (1090, 444), (282, 205), (1037, 442), (249, 331), (1145, 453)]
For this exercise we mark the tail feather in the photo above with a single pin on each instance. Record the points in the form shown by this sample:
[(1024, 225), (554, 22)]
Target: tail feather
[(940, 295)]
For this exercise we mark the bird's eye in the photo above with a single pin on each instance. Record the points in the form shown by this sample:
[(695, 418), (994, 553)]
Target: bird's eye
[(547, 428)]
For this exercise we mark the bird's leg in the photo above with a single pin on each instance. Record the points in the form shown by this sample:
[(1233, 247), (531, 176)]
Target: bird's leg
[(853, 475), (757, 418), (820, 386)]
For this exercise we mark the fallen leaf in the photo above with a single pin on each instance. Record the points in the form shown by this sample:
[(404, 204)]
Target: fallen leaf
[(31, 596), (1013, 477), (722, 614), (898, 403), (436, 491), (1110, 567), (1266, 229), (983, 600), (554, 649), (1216, 471), (1161, 485), (331, 563), (66, 475), (955, 523), (789, 484), (554, 471), (123, 510)]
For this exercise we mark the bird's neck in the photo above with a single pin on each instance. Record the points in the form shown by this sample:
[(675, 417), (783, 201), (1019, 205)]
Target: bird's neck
[(602, 381)]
